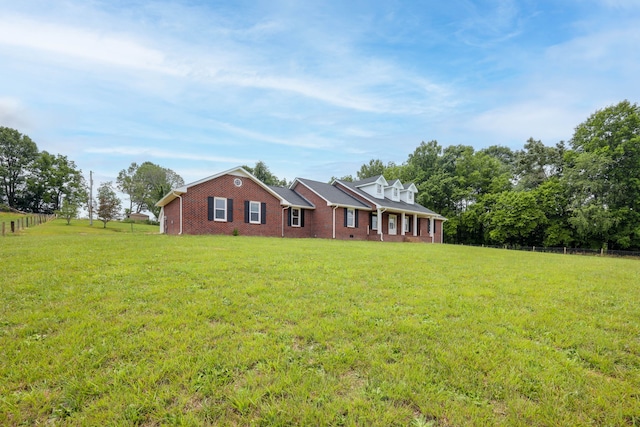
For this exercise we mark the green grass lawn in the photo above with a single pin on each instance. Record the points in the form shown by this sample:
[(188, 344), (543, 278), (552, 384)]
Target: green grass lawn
[(113, 327)]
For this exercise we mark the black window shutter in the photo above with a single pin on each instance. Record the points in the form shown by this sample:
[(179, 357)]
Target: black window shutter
[(418, 230), (428, 225), (434, 227), (246, 211), (263, 211), (301, 217), (210, 208), (230, 210), (289, 216), (408, 218), (356, 217), (371, 220), (345, 216)]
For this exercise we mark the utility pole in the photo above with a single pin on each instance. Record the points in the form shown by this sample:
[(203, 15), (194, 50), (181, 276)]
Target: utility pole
[(91, 198)]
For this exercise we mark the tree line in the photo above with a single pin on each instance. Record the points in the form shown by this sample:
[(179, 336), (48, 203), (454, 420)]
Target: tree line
[(584, 193), (40, 182)]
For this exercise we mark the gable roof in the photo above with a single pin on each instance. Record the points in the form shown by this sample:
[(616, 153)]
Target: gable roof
[(388, 203), (237, 171), (371, 180), (332, 194), (292, 198)]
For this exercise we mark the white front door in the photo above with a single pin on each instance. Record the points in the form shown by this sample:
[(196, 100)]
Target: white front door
[(392, 224)]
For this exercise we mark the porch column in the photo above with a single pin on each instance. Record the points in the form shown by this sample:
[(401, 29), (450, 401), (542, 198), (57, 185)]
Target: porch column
[(404, 218), (415, 225)]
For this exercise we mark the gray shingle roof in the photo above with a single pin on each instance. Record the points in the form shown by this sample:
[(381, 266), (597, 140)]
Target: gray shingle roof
[(388, 203), (367, 180), (292, 197), (332, 194)]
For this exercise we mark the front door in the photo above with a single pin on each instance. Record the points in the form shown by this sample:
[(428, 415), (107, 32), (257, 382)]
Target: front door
[(392, 224)]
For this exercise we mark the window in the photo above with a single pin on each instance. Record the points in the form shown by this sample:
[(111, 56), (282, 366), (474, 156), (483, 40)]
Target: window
[(379, 188), (374, 222), (407, 224), (351, 217), (395, 193), (295, 217), (220, 209), (410, 196), (254, 212)]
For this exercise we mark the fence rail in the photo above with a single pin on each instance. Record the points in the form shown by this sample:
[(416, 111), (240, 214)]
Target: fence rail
[(567, 250), (15, 225)]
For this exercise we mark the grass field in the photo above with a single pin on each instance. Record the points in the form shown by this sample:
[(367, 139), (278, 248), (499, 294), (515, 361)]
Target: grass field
[(113, 327)]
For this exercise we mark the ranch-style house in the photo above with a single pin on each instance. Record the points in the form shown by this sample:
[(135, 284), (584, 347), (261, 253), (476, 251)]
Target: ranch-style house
[(235, 201)]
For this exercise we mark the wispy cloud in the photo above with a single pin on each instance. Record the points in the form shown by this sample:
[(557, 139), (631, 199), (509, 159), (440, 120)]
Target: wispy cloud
[(90, 45), (166, 154)]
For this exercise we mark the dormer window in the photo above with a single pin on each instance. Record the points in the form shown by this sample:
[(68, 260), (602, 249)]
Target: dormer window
[(379, 188), (395, 193), (410, 196)]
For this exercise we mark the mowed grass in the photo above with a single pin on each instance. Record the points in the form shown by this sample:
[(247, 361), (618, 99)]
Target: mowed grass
[(121, 328)]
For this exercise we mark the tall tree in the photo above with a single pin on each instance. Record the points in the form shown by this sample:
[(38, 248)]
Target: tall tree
[(373, 168), (536, 163), (17, 152), (603, 174), (155, 182), (52, 178), (145, 184), (126, 183), (109, 204), (514, 218)]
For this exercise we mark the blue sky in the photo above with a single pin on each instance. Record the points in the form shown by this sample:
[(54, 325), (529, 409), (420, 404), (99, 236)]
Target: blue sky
[(314, 89)]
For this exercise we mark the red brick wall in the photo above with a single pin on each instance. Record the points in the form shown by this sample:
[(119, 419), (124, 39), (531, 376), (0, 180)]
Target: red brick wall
[(299, 232), (195, 209), (321, 219)]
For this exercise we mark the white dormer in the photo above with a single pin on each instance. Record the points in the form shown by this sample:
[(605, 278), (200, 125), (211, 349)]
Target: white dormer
[(392, 191), (375, 187), (408, 193)]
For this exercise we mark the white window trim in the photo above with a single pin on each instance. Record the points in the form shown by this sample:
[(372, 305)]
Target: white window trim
[(372, 217), (251, 204), (406, 224), (295, 217), (216, 209), (353, 217)]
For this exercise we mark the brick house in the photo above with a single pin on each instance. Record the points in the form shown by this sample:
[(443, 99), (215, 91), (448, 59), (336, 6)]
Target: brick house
[(236, 201)]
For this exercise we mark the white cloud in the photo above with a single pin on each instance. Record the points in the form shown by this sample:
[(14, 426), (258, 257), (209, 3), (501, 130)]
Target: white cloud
[(518, 122), (166, 154), (12, 113), (90, 45)]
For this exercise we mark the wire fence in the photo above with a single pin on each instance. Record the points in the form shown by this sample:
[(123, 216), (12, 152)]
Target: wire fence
[(15, 225), (567, 250)]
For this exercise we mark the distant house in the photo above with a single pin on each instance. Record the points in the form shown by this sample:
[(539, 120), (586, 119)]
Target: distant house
[(235, 200), (137, 216)]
